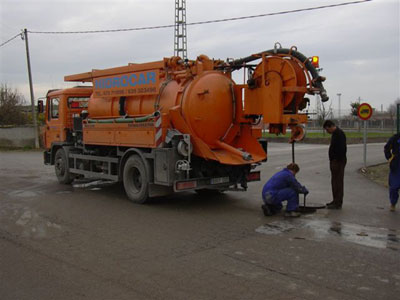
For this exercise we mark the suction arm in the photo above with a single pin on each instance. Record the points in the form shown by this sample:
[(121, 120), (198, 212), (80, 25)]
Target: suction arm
[(317, 80)]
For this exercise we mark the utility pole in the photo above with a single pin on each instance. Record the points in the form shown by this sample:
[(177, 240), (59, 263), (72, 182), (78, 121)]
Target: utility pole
[(24, 36), (180, 42), (339, 94)]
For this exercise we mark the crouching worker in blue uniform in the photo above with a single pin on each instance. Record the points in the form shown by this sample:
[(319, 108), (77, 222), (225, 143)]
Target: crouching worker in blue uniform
[(283, 186), (392, 153)]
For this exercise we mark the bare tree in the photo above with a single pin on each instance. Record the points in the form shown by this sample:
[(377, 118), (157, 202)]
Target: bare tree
[(354, 112), (323, 113), (10, 106)]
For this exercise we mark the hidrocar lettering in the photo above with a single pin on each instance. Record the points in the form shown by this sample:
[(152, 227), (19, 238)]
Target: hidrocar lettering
[(126, 80)]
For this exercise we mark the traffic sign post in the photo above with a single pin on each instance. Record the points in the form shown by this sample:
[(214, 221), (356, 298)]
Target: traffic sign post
[(364, 113), (365, 143)]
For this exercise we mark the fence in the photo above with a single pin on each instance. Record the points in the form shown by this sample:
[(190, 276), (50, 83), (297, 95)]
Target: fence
[(386, 125), (17, 137)]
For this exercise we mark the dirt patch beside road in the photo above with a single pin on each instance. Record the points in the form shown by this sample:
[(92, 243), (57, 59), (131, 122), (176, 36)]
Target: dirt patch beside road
[(378, 173)]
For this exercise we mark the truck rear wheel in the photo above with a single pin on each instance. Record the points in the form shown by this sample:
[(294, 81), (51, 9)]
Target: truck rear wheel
[(61, 167), (136, 181)]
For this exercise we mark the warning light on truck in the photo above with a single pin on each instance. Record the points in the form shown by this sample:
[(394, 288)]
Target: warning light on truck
[(315, 61)]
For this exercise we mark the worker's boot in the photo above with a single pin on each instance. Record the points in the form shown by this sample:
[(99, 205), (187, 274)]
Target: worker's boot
[(333, 205), (266, 210), (292, 214), (392, 207)]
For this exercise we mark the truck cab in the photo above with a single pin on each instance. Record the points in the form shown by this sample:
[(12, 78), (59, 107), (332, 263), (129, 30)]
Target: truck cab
[(61, 106)]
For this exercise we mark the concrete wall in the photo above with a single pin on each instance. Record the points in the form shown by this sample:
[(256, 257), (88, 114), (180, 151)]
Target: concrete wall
[(17, 137)]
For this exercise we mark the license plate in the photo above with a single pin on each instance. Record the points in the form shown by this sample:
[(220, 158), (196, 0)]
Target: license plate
[(254, 176), (219, 180)]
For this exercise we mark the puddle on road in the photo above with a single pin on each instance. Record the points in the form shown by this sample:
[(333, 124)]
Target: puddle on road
[(93, 185), (30, 177), (32, 225), (276, 228), (323, 229), (63, 192), (23, 194)]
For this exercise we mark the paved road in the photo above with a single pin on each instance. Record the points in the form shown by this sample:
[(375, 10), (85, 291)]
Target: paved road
[(57, 242)]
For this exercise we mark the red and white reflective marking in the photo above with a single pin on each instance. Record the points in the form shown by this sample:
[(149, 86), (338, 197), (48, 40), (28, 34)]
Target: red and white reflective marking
[(158, 136)]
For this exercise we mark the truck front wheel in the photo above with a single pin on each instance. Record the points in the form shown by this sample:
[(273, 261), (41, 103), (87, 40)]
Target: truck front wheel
[(61, 167), (136, 182)]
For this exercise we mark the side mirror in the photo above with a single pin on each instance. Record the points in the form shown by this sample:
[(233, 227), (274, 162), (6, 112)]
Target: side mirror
[(40, 107)]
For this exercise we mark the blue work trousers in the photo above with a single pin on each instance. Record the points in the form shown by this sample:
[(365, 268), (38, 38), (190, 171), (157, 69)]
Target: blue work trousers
[(287, 194), (394, 186)]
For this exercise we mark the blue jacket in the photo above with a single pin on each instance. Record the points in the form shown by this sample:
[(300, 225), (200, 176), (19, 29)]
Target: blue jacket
[(392, 152), (281, 180)]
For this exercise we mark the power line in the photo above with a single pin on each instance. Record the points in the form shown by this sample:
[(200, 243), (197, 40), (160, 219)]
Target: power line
[(10, 39), (279, 13), (102, 31), (203, 22)]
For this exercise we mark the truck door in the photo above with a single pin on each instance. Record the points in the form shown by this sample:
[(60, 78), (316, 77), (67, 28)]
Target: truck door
[(53, 122)]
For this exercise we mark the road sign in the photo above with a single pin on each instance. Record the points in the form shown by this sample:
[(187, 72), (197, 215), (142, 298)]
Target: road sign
[(364, 111)]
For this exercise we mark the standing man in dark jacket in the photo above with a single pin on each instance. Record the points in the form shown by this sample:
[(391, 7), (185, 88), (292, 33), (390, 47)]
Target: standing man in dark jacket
[(338, 160), (392, 153)]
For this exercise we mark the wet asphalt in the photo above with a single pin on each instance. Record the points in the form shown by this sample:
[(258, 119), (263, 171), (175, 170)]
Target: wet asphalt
[(60, 242)]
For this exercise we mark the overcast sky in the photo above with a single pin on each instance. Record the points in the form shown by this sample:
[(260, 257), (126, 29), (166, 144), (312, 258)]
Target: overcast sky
[(358, 45)]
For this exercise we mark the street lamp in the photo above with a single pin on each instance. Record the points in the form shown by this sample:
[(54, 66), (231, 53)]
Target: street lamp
[(339, 94)]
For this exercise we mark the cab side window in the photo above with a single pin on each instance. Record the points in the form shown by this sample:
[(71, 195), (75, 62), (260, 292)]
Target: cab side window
[(54, 106)]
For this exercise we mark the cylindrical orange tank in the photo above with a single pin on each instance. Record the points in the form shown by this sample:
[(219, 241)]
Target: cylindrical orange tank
[(198, 99), (134, 105), (206, 101)]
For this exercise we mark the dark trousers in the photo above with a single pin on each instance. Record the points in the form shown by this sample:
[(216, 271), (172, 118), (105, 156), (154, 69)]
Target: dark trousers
[(394, 185), (337, 178)]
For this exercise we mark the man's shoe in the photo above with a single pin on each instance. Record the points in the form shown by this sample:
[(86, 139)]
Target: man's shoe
[(392, 207), (333, 206), (292, 214), (267, 212)]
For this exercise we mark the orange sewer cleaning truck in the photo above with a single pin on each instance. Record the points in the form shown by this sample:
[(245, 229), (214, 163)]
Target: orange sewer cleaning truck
[(177, 125)]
